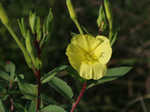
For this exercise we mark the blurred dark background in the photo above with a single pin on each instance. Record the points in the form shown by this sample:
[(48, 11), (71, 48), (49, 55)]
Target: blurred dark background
[(130, 93)]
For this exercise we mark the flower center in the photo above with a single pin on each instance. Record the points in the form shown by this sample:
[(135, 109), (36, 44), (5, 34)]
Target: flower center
[(90, 58)]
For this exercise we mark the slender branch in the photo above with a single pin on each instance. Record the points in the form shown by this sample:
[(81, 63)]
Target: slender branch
[(37, 74), (11, 99), (11, 105), (79, 97), (78, 26), (38, 78), (37, 46)]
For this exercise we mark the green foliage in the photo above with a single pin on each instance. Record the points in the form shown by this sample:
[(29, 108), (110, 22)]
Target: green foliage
[(2, 107), (32, 107), (118, 71), (47, 77), (4, 75), (22, 27), (62, 87), (9, 73), (53, 108), (28, 90), (112, 74), (47, 28), (36, 31)]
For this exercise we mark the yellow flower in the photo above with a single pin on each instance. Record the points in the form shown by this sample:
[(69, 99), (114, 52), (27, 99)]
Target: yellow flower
[(89, 55)]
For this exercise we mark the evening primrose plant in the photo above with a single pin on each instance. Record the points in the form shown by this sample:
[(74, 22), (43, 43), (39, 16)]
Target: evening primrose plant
[(88, 56)]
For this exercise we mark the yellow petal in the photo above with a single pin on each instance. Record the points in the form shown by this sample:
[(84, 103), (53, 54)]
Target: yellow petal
[(85, 71), (80, 41), (94, 71), (104, 50), (75, 56), (99, 70)]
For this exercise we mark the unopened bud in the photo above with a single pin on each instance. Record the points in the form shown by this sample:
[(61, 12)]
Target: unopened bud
[(3, 15), (71, 9), (101, 20), (108, 10)]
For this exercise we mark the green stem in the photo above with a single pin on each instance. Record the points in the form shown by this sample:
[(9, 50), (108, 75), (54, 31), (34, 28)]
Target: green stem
[(78, 26)]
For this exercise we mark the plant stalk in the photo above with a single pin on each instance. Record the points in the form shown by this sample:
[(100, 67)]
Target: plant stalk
[(37, 74), (11, 99), (38, 78), (79, 97)]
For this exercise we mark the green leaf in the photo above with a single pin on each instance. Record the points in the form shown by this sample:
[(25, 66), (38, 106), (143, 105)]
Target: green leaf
[(114, 38), (61, 86), (22, 27), (10, 68), (47, 28), (112, 74), (1, 106), (38, 29), (3, 92), (118, 71), (4, 75), (103, 80), (53, 108), (32, 21), (47, 77), (47, 99), (28, 90), (49, 20), (19, 107), (32, 107)]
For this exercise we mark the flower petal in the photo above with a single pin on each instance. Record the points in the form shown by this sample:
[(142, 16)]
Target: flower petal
[(85, 71), (92, 71), (75, 56), (104, 50), (99, 70)]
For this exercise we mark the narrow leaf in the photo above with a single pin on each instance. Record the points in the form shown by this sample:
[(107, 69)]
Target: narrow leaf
[(47, 77), (103, 80), (4, 75), (114, 38), (112, 74), (1, 106), (10, 68), (53, 108), (32, 107), (22, 27), (61, 86), (118, 71), (28, 90)]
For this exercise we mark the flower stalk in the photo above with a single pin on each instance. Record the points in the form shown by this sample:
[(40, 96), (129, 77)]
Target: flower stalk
[(73, 15), (3, 15), (79, 97), (38, 78)]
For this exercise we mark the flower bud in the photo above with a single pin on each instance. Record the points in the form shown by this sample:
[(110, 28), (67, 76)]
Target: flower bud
[(71, 9), (108, 10), (3, 15), (101, 20)]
